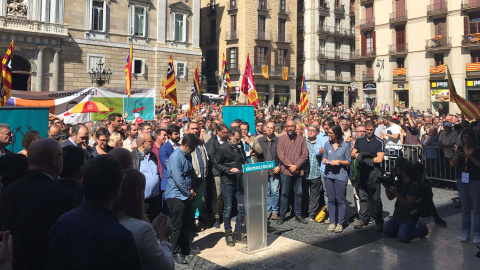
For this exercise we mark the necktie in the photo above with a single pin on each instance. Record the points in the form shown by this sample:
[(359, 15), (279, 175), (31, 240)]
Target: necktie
[(200, 161)]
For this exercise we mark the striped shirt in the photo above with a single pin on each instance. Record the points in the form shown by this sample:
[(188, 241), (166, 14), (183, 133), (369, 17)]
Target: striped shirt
[(292, 152)]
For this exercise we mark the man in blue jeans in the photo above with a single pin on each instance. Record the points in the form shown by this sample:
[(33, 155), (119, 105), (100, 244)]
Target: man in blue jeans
[(229, 159), (269, 143), (292, 152), (405, 218)]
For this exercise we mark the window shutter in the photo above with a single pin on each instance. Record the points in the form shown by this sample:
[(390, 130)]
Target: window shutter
[(236, 56), (287, 57), (466, 25), (228, 59), (88, 18), (172, 25), (276, 58), (364, 44), (145, 23), (256, 58), (374, 43), (185, 28)]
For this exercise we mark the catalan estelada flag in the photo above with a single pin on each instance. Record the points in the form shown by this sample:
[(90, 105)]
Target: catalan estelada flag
[(6, 90), (227, 85), (171, 83), (195, 94), (128, 70), (468, 108), (303, 97)]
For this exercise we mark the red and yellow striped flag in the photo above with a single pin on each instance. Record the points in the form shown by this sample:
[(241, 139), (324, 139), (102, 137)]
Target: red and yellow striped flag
[(303, 97), (128, 70), (6, 89), (468, 108), (171, 83), (473, 66)]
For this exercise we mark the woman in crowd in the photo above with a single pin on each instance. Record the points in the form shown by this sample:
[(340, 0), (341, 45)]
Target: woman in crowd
[(336, 157), (151, 239), (115, 140), (467, 161), (28, 138), (101, 147)]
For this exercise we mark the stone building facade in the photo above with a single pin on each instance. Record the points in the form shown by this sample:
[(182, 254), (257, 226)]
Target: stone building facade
[(59, 41), (326, 53), (266, 30)]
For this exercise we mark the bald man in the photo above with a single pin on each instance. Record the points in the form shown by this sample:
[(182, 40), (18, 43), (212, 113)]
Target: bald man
[(31, 205), (53, 131), (123, 156)]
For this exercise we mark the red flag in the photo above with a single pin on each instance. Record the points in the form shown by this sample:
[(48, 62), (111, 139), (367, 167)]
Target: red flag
[(248, 85), (128, 70)]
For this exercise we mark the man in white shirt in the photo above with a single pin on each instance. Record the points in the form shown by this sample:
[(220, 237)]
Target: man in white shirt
[(391, 136), (130, 142), (447, 140)]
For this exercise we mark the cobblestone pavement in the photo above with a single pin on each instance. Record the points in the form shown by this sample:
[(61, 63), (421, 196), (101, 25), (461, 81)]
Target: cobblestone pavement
[(317, 235)]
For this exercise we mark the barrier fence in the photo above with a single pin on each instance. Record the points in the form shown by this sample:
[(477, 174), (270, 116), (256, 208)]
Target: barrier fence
[(437, 160)]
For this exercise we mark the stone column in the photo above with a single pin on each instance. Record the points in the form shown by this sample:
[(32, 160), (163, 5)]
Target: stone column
[(38, 85), (56, 68)]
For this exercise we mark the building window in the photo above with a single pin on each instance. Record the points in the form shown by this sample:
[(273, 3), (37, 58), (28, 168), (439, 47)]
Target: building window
[(180, 69), (438, 59), (337, 25), (281, 30), (338, 71), (352, 70), (370, 45), (232, 58), (474, 24), (281, 58), (300, 24), (322, 69), (322, 22), (138, 21), (233, 4), (233, 26), (322, 46), (283, 5), (92, 61), (138, 67), (352, 27), (179, 27), (262, 4), (475, 56), (400, 62), (261, 56), (338, 47), (98, 15)]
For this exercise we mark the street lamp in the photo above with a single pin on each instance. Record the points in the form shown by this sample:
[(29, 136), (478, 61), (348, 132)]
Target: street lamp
[(99, 75), (380, 64)]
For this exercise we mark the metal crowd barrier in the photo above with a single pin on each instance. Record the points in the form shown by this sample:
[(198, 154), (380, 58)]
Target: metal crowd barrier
[(433, 158)]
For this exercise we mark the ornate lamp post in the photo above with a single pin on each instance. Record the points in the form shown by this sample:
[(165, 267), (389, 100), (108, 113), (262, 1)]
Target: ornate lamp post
[(99, 75)]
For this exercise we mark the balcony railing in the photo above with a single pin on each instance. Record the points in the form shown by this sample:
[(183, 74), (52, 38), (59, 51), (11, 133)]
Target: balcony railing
[(258, 69), (396, 49), (438, 9), (284, 38), (367, 23), (366, 53), (437, 44), (324, 8), (398, 17), (470, 5), (321, 55), (231, 35), (364, 2), (471, 40), (263, 35), (339, 11), (33, 26), (262, 6), (278, 71), (337, 31), (368, 75)]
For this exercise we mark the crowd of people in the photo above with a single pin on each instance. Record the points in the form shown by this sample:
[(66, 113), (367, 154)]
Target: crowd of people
[(114, 194)]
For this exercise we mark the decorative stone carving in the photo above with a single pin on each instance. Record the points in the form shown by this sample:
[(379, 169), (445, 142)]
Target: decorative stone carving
[(17, 8)]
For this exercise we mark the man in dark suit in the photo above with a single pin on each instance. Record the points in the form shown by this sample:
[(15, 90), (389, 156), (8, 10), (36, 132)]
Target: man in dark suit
[(79, 138), (72, 172), (31, 205), (173, 134), (6, 136), (90, 236)]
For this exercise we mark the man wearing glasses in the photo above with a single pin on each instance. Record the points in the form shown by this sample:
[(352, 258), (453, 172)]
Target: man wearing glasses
[(79, 138), (366, 180)]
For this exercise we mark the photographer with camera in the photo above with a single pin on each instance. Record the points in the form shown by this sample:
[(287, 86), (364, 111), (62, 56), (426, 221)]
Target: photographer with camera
[(405, 217)]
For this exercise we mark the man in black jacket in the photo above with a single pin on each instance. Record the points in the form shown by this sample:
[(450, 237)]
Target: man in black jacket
[(31, 205), (212, 145), (145, 161), (229, 159)]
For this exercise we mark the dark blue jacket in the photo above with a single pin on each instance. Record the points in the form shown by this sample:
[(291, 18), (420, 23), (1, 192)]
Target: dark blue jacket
[(90, 237), (164, 154)]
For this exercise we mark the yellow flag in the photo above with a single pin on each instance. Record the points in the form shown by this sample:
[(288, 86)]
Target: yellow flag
[(285, 73), (265, 71)]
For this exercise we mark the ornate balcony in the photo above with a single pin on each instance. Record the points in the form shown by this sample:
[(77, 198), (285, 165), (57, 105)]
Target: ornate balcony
[(24, 25), (367, 24), (258, 70), (367, 53), (263, 35), (336, 31), (470, 6), (283, 38), (471, 41), (438, 44), (437, 10), (398, 49), (278, 71), (324, 8), (398, 18), (339, 11)]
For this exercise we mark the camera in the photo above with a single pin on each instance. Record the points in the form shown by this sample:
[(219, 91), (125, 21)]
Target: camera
[(387, 179)]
